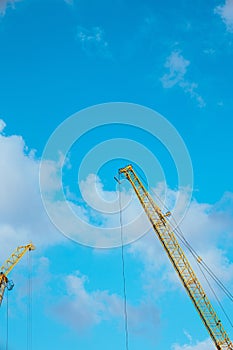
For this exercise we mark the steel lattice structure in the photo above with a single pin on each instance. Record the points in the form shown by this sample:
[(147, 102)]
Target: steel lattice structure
[(180, 262)]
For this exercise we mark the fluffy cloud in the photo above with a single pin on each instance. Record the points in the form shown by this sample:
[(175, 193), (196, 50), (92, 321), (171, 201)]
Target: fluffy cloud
[(176, 66), (4, 4), (2, 125), (92, 42), (226, 13), (99, 199), (95, 221), (82, 309), (22, 217), (201, 345), (204, 226)]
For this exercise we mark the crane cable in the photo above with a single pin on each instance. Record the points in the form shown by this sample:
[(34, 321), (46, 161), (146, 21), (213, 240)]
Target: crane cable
[(7, 319), (180, 235), (29, 306), (215, 295), (201, 264), (123, 273)]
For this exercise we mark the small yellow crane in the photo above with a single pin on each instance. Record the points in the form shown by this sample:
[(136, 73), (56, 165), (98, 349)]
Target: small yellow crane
[(179, 261), (9, 265)]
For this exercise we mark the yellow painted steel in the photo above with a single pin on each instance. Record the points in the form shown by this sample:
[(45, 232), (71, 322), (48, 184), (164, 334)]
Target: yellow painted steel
[(10, 264), (180, 262)]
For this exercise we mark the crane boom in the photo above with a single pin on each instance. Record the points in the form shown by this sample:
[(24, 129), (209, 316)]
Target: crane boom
[(10, 264), (181, 264)]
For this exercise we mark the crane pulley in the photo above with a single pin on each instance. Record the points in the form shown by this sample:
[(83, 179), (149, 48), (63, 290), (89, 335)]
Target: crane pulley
[(9, 264), (179, 261)]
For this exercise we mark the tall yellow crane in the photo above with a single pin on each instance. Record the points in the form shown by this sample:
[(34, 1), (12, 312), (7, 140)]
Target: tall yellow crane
[(178, 259), (9, 265)]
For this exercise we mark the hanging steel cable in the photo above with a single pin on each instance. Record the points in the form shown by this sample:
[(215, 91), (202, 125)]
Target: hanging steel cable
[(29, 304), (123, 273), (7, 320), (215, 295), (180, 235)]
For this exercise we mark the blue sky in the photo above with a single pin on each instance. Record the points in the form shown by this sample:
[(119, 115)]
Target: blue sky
[(58, 57)]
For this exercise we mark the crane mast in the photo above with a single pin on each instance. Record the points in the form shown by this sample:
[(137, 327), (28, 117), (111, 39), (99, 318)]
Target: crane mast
[(9, 264), (178, 259)]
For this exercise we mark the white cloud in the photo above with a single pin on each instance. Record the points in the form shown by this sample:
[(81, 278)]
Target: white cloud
[(94, 194), (4, 4), (23, 217), (190, 89), (82, 309), (199, 345), (204, 226), (79, 309), (95, 221), (226, 13), (177, 66), (2, 125), (93, 42), (70, 2), (99, 225), (209, 51)]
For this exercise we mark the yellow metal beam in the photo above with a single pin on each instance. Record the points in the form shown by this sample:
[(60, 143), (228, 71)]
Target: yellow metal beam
[(10, 263), (181, 264)]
